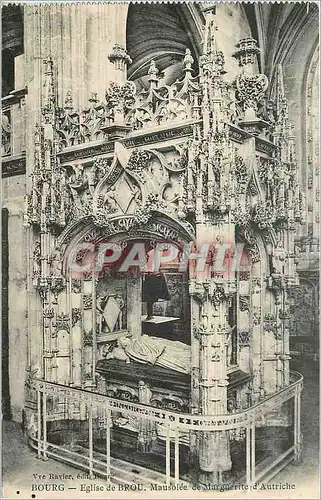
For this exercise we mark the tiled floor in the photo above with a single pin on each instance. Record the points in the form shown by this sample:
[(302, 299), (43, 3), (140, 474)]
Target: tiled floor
[(20, 463)]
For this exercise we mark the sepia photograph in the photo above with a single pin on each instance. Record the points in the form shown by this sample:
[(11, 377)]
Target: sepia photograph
[(160, 250)]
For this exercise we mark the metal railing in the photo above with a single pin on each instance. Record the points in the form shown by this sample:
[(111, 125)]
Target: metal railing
[(101, 413)]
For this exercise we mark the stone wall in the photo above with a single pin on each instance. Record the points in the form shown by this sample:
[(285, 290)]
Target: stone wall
[(232, 27), (13, 196)]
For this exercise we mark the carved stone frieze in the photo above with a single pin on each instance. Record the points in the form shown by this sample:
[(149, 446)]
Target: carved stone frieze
[(242, 174), (119, 100), (263, 215), (250, 88), (119, 57), (170, 403), (264, 146), (256, 316), (76, 285), (244, 301), (244, 275), (88, 339), (175, 132), (244, 338), (160, 103), (89, 151), (87, 301), (138, 162), (61, 322), (75, 316), (212, 291), (13, 166)]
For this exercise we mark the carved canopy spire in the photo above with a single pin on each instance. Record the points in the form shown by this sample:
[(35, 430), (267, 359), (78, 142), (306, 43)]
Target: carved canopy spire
[(250, 86)]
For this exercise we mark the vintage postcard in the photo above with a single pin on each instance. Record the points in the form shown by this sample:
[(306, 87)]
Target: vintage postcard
[(160, 250)]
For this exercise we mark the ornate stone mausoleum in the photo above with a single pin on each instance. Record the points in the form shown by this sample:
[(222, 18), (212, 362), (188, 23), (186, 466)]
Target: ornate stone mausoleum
[(129, 126)]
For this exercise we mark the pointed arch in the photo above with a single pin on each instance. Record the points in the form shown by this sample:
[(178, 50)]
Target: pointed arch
[(160, 227)]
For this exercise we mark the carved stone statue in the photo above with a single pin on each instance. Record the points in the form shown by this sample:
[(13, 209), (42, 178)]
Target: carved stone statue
[(100, 312), (147, 430), (278, 260), (56, 264), (36, 260), (110, 200), (155, 351), (137, 195)]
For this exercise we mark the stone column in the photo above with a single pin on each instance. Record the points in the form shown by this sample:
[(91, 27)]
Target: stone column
[(134, 305), (273, 327), (74, 295), (147, 432), (210, 292), (105, 37), (79, 39), (214, 456), (256, 324), (33, 63), (284, 313), (88, 347)]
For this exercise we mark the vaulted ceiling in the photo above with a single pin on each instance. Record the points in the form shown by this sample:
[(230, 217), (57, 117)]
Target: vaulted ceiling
[(12, 28), (161, 32), (278, 27)]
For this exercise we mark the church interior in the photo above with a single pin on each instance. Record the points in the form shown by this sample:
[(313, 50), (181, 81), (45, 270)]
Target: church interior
[(129, 128)]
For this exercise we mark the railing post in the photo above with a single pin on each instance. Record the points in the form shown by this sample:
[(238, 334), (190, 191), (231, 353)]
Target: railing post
[(253, 452), (248, 456), (39, 421), (44, 424), (176, 451), (90, 443), (108, 426), (295, 418), (168, 452), (250, 453), (297, 423)]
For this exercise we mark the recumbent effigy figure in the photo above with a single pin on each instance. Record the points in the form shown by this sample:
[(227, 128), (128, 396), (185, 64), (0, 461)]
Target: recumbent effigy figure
[(145, 349)]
